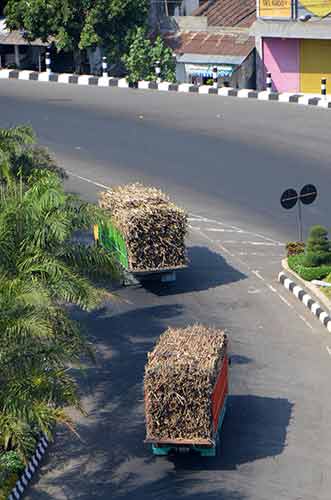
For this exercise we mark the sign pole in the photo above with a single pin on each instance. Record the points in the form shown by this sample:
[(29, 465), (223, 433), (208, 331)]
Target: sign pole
[(300, 220)]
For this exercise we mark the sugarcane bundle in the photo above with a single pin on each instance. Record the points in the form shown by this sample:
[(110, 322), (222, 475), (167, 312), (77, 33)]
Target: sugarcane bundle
[(153, 228), (180, 376)]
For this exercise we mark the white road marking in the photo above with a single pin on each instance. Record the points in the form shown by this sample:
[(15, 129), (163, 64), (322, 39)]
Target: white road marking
[(258, 275), (204, 219), (222, 230), (262, 243), (307, 322), (328, 349), (88, 180)]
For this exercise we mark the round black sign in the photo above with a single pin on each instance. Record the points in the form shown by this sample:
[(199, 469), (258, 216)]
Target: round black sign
[(289, 198), (308, 194)]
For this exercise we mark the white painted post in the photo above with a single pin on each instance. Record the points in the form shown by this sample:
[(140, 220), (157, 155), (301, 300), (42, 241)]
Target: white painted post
[(157, 71), (48, 61), (104, 67)]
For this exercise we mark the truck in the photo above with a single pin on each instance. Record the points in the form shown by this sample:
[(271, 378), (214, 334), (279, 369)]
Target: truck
[(108, 236), (206, 447)]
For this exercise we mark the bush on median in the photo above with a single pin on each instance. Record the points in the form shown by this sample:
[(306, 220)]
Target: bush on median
[(297, 264)]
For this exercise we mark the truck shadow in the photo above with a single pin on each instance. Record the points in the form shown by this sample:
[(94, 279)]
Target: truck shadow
[(255, 427), (206, 269)]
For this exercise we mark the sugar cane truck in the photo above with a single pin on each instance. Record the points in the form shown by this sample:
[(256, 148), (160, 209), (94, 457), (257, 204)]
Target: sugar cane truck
[(185, 391), (145, 232)]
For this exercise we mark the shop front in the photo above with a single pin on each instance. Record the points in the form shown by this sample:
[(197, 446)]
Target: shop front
[(293, 43)]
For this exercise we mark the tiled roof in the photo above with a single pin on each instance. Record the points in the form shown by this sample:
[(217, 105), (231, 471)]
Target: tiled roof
[(230, 44), (241, 13)]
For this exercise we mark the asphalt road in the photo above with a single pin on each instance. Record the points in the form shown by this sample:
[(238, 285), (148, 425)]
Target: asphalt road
[(226, 160)]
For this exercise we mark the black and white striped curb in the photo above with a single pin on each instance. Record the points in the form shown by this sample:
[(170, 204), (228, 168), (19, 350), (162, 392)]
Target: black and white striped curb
[(106, 81), (30, 469), (306, 299)]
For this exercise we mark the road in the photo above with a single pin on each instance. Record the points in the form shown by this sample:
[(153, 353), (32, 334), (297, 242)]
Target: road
[(227, 161)]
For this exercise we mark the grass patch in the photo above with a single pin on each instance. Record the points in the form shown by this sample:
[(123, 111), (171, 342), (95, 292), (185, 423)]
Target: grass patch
[(295, 262)]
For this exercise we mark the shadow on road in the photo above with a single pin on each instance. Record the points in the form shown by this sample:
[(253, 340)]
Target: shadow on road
[(206, 270), (111, 459), (255, 427)]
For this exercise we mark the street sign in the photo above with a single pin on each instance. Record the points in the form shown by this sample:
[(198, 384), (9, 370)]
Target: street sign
[(289, 198), (308, 194)]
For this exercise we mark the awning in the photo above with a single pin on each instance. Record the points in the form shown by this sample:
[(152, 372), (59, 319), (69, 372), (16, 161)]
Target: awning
[(210, 59)]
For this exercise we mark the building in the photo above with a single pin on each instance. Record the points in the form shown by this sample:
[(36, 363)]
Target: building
[(293, 43), (216, 34), (16, 51)]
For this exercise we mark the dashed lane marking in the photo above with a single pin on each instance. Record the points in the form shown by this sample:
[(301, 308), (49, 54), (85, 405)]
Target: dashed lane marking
[(328, 349), (222, 230), (256, 243), (220, 223), (222, 247)]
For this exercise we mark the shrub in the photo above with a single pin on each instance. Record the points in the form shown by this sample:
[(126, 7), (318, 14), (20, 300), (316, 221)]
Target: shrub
[(11, 461), (295, 247), (297, 264), (7, 485), (318, 251), (318, 240), (316, 259)]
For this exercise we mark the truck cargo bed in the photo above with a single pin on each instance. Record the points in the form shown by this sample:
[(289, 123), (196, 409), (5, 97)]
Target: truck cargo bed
[(206, 447)]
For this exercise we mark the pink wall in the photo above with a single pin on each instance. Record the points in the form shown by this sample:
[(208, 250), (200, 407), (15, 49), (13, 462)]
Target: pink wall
[(281, 58)]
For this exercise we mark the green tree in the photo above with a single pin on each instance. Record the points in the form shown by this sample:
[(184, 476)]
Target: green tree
[(38, 239), (317, 247), (76, 25), (19, 154), (12, 142), (38, 341), (138, 61), (43, 265), (143, 55), (163, 54)]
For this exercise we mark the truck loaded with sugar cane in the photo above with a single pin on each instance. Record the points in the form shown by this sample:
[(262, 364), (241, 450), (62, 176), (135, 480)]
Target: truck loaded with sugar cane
[(146, 232), (186, 390)]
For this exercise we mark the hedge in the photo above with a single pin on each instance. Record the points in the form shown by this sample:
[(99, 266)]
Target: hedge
[(295, 262)]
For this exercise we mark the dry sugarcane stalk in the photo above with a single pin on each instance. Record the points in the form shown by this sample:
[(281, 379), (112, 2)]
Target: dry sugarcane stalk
[(154, 228), (179, 379)]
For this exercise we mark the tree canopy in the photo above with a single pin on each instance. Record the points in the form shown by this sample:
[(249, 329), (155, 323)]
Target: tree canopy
[(144, 54), (79, 24)]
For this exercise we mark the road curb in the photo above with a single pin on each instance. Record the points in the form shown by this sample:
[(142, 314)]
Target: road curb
[(102, 81), (31, 468), (306, 299)]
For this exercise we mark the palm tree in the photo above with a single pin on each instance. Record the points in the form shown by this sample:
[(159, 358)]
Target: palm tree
[(19, 154), (39, 227), (43, 264), (38, 341)]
